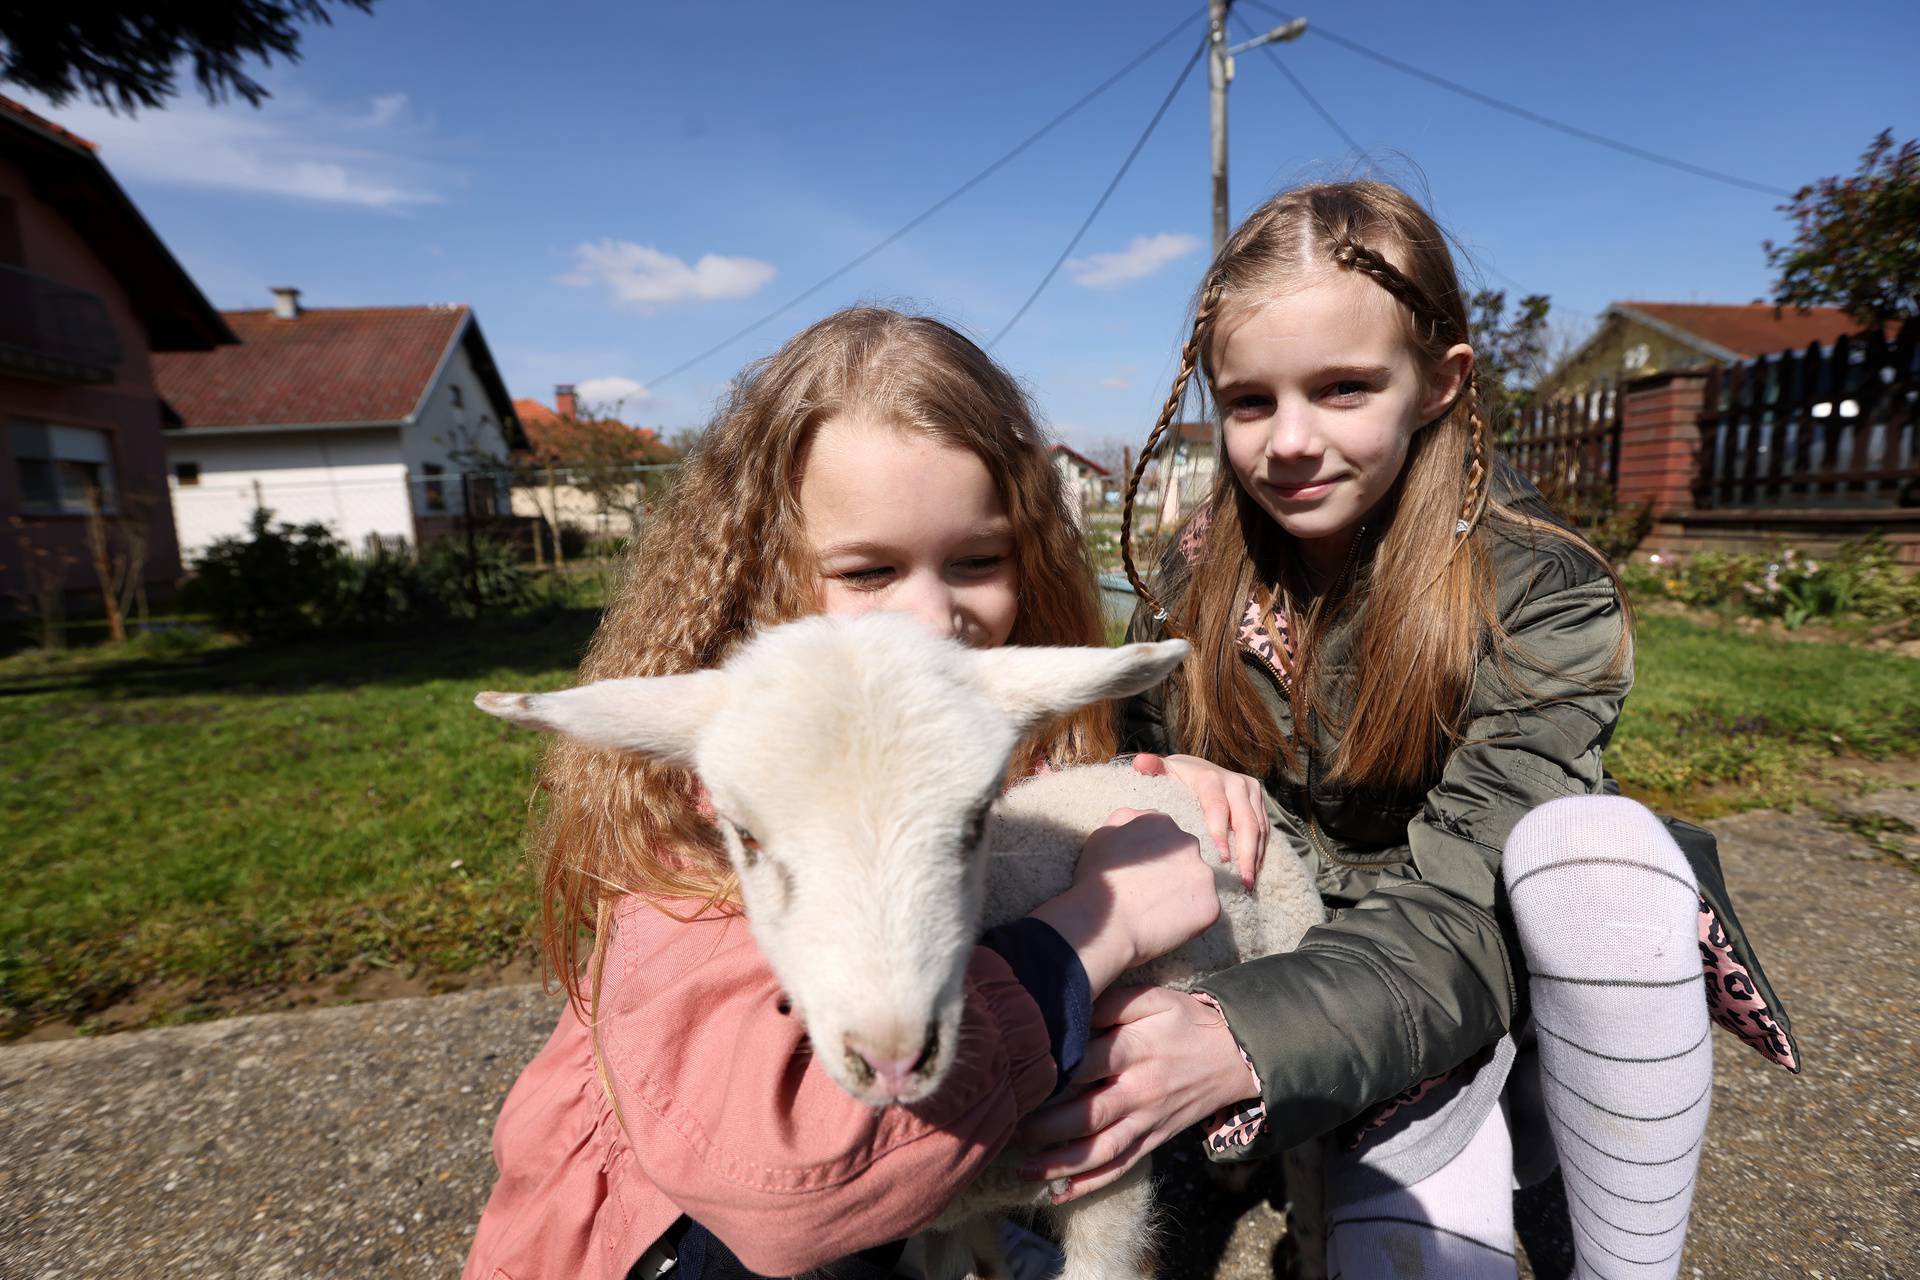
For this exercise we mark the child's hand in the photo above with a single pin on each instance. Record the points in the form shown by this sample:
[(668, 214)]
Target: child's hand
[(1234, 805), (1162, 1061), (1140, 889)]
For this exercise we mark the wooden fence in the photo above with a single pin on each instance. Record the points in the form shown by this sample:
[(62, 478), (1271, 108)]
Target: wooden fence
[(1570, 447), (1822, 428)]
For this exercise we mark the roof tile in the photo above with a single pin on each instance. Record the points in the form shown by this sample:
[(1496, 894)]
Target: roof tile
[(328, 365), (1751, 328)]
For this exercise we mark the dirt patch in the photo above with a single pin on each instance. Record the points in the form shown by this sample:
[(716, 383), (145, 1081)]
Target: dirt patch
[(176, 1002)]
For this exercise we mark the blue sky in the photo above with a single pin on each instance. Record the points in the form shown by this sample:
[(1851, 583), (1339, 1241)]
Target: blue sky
[(616, 186)]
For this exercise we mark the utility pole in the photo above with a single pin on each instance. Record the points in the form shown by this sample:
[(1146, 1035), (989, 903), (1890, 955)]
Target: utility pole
[(1219, 75)]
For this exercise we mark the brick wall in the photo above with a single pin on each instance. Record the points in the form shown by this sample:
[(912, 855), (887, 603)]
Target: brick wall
[(1660, 441)]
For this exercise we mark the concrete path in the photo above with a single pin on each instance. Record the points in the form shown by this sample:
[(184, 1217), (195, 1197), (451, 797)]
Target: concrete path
[(353, 1142)]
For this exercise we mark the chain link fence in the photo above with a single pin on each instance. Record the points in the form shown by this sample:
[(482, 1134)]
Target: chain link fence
[(548, 512)]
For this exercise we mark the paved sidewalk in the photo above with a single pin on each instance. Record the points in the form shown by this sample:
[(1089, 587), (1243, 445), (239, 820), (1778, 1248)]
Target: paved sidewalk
[(353, 1142)]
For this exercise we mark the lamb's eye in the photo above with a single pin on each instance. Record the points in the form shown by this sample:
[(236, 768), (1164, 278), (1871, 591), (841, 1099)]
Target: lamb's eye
[(749, 845)]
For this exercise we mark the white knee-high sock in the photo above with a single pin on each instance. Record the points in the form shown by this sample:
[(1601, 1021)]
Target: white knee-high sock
[(1455, 1224), (1607, 911)]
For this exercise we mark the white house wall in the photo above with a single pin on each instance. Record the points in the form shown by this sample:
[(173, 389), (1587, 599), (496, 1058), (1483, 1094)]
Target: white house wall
[(574, 505), (351, 481), (455, 438)]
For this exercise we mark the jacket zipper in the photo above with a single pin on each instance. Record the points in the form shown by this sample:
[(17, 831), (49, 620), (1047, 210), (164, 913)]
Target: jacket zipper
[(1314, 835)]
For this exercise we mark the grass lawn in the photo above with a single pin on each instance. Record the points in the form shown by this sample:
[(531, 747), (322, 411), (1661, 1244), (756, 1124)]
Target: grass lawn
[(181, 829)]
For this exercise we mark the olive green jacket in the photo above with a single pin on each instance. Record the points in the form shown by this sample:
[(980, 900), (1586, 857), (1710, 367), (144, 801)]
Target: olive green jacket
[(1415, 973)]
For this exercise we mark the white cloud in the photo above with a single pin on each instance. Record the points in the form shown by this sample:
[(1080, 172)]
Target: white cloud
[(1144, 256), (611, 393), (643, 277), (291, 146)]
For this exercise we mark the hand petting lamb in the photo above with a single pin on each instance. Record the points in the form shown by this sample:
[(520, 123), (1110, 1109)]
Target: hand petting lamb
[(856, 767)]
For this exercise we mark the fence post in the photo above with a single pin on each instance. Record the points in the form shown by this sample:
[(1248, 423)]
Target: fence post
[(1660, 440), (473, 559)]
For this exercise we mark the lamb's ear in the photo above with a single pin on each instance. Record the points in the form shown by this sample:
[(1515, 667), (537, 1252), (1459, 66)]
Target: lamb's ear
[(656, 716), (1034, 684)]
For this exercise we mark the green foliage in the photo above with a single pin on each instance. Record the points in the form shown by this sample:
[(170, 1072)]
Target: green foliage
[(1613, 529), (1862, 580), (607, 547), (126, 56), (465, 585), (1856, 243), (284, 580), (1509, 354), (280, 580)]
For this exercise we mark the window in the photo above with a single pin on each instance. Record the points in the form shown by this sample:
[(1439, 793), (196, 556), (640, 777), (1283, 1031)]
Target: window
[(436, 488), (483, 496), (59, 466), (186, 474), (458, 402)]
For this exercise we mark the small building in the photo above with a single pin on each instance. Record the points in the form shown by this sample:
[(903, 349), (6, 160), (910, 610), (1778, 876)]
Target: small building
[(580, 471), (1185, 471), (1082, 477), (385, 423), (1638, 339), (87, 294)]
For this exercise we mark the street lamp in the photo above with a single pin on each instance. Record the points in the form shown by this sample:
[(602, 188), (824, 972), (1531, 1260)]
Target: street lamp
[(1219, 74), (1279, 35)]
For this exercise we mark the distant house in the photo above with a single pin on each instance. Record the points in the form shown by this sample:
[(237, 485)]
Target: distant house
[(1186, 470), (87, 293), (379, 422), (572, 466), (1636, 339), (1082, 477)]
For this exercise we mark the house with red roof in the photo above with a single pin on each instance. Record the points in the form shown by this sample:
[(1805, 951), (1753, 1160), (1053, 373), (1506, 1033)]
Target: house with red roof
[(388, 423), (1183, 476), (89, 297), (1081, 476), (572, 432), (581, 469), (1638, 339)]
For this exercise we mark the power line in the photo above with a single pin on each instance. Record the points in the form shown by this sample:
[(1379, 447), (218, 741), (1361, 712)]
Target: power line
[(1585, 135), (1333, 124), (1312, 101), (1101, 203), (935, 207)]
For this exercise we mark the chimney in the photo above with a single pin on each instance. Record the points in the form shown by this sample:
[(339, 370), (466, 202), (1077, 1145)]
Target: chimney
[(564, 402), (286, 302)]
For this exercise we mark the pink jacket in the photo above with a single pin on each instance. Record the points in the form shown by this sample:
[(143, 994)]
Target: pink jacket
[(723, 1115)]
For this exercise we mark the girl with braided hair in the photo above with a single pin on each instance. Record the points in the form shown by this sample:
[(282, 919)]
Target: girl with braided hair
[(1421, 664)]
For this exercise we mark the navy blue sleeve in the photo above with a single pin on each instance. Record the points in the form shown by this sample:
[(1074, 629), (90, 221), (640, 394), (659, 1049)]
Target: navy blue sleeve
[(1051, 972)]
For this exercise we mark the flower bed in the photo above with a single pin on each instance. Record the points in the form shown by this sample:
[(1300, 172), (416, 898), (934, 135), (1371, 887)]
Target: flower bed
[(1861, 582)]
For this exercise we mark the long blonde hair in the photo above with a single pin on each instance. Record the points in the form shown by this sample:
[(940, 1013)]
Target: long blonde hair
[(1431, 610), (726, 553)]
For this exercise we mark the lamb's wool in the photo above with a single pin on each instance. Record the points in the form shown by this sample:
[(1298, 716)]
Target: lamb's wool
[(851, 763)]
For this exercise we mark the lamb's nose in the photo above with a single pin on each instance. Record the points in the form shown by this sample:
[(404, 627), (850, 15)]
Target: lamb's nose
[(891, 1071)]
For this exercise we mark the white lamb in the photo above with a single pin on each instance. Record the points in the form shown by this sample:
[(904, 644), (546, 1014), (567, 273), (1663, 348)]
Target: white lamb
[(856, 766)]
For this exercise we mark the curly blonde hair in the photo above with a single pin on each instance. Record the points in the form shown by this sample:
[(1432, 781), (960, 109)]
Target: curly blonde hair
[(726, 553)]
